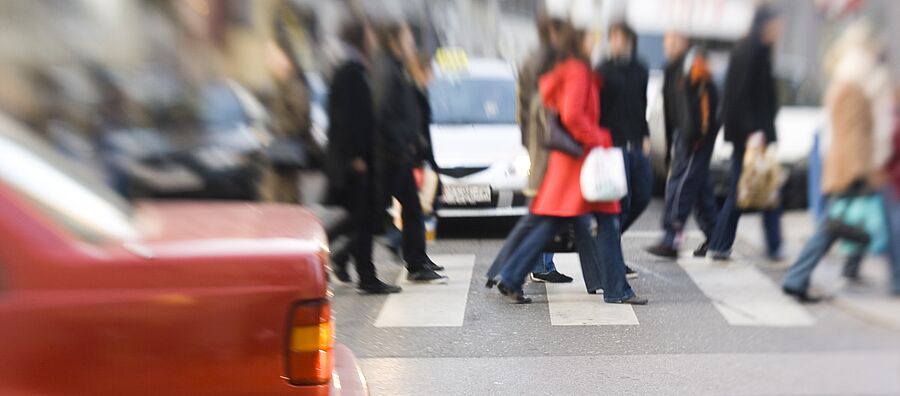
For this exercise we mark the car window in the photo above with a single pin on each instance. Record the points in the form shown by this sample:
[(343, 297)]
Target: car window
[(77, 202), (473, 101)]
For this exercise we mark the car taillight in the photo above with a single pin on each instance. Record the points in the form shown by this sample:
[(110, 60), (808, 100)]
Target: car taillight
[(310, 358)]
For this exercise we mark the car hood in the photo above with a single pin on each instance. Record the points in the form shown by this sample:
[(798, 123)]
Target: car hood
[(226, 228), (796, 127), (472, 146)]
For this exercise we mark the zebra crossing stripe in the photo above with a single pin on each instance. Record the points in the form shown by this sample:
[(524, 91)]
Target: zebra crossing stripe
[(570, 305), (745, 296), (431, 305)]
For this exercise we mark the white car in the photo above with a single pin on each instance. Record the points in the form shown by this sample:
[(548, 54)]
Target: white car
[(477, 143)]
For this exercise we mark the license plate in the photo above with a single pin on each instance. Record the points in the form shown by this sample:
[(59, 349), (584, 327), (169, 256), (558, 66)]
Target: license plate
[(467, 194)]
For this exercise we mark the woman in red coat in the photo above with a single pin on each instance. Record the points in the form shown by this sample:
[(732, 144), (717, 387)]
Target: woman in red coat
[(573, 90)]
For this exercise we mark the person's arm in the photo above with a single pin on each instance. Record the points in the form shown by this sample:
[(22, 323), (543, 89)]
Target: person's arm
[(574, 115), (642, 100), (391, 119)]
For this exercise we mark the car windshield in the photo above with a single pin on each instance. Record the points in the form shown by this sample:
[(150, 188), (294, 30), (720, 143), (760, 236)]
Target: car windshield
[(75, 201), (473, 101)]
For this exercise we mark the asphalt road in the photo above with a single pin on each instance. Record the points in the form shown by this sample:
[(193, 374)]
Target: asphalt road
[(716, 330)]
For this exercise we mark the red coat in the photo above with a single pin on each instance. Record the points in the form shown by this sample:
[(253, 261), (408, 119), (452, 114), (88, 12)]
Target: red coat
[(573, 90)]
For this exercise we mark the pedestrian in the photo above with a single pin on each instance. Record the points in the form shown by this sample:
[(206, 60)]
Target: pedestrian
[(350, 164), (570, 88), (624, 103), (289, 106), (749, 106), (529, 115), (689, 102), (859, 150), (892, 201), (399, 123)]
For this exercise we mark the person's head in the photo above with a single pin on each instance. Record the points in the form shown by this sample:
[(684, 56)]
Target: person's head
[(574, 42), (397, 39), (622, 40), (767, 25), (359, 35), (675, 44)]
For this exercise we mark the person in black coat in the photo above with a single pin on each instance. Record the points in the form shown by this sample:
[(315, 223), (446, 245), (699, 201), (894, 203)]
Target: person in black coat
[(624, 103), (623, 100), (749, 107), (350, 164), (690, 102), (398, 131)]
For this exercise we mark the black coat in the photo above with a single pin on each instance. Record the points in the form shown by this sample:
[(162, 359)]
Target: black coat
[(749, 103), (398, 115), (352, 124), (623, 101), (683, 102)]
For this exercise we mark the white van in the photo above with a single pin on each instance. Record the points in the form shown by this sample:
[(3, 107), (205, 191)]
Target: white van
[(477, 143)]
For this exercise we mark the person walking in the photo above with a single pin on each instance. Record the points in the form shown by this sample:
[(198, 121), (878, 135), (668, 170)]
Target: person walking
[(858, 106), (350, 163), (690, 101), (399, 121), (749, 107), (571, 89), (532, 123)]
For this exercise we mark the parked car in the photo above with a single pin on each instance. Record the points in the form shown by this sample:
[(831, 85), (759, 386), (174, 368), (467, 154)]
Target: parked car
[(219, 158), (477, 144), (99, 297)]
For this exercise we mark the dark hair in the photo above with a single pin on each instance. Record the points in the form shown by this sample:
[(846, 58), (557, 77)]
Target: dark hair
[(625, 29), (571, 40), (389, 33), (353, 32)]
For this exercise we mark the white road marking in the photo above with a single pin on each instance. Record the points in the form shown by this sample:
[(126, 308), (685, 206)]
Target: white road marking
[(423, 305), (745, 296), (570, 305)]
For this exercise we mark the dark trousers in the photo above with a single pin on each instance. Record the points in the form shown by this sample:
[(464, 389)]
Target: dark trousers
[(640, 186), (601, 257), (360, 201), (402, 185), (689, 189), (725, 231)]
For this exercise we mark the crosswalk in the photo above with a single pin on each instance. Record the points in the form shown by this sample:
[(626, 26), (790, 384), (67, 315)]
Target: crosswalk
[(741, 293)]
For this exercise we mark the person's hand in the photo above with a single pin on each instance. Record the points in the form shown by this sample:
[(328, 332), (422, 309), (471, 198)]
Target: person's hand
[(756, 139), (359, 166), (646, 146)]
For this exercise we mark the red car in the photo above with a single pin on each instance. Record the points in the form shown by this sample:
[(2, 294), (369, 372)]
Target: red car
[(100, 298)]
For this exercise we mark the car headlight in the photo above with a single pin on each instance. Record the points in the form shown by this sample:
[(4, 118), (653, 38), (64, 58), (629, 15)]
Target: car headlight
[(521, 165)]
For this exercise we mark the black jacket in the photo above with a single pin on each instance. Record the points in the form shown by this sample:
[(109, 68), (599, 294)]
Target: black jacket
[(352, 129), (398, 115), (690, 102), (623, 101), (750, 103)]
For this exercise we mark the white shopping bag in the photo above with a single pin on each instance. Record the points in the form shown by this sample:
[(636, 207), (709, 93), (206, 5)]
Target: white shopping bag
[(603, 175)]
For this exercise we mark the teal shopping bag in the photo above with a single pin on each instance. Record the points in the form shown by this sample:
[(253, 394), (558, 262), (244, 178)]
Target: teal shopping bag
[(866, 212)]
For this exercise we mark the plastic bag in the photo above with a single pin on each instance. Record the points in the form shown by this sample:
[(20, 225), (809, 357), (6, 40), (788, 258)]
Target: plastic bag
[(761, 178), (867, 213), (603, 175)]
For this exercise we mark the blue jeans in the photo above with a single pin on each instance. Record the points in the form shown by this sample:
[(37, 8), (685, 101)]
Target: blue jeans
[(797, 277), (892, 209), (725, 231), (544, 265), (601, 257), (640, 186)]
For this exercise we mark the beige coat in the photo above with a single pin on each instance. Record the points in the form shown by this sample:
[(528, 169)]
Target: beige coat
[(849, 157)]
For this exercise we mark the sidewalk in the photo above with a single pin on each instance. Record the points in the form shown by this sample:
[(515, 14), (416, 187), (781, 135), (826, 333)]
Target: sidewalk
[(869, 300)]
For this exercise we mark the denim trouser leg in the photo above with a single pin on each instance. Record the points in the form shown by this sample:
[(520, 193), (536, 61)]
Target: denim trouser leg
[(892, 210), (687, 188), (544, 264), (726, 226), (588, 254), (772, 227), (612, 263), (522, 258), (797, 277), (640, 187), (522, 228)]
